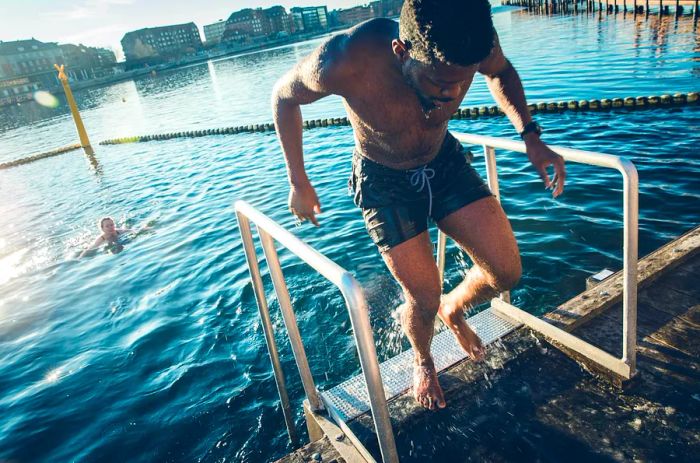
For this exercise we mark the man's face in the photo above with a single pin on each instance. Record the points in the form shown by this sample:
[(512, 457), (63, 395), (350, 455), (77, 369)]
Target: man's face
[(108, 227), (439, 84)]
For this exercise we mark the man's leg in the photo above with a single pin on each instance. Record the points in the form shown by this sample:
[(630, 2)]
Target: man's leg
[(482, 230), (413, 265)]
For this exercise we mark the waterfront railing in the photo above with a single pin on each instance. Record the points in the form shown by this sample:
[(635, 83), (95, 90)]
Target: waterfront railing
[(270, 232)]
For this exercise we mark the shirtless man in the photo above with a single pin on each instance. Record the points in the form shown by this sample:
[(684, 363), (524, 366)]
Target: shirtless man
[(400, 84)]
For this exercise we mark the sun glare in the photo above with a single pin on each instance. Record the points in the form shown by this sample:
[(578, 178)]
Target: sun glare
[(46, 99), (53, 375), (9, 264)]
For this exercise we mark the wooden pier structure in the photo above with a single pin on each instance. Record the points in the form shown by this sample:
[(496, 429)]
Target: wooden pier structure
[(529, 401), (661, 7)]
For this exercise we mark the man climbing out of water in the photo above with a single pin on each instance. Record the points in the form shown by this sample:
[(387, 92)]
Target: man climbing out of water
[(400, 84), (109, 236)]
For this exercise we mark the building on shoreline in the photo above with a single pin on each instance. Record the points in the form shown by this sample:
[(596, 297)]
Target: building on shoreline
[(83, 63), (257, 25), (357, 14), (280, 21), (214, 31), (25, 67), (310, 19), (354, 15), (387, 8), (245, 25), (155, 45)]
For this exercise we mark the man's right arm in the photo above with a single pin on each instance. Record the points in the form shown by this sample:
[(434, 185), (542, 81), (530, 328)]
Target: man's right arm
[(322, 73), (96, 244)]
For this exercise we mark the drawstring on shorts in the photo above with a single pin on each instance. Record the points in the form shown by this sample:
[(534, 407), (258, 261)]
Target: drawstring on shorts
[(421, 177)]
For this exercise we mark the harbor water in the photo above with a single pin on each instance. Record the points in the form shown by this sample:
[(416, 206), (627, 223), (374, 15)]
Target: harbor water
[(155, 353)]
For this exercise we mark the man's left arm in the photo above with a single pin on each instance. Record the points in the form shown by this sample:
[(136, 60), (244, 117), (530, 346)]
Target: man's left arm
[(507, 89)]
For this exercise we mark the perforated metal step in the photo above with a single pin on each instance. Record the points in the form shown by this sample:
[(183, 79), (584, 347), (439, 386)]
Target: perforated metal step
[(349, 399)]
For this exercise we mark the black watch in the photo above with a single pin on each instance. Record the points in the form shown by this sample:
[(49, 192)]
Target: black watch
[(531, 127)]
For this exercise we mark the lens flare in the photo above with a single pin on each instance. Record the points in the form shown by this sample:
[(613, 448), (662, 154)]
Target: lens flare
[(45, 99)]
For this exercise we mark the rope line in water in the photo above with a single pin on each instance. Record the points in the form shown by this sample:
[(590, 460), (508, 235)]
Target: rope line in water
[(630, 103), (36, 157), (640, 102)]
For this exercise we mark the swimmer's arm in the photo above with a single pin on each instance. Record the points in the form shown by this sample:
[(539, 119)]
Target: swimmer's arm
[(324, 72), (96, 244), (507, 89)]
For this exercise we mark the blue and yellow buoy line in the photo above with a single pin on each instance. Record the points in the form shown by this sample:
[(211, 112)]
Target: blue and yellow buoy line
[(640, 102), (605, 104)]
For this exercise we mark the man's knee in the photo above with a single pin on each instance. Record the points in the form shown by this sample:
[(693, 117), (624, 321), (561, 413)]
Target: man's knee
[(506, 276), (426, 299)]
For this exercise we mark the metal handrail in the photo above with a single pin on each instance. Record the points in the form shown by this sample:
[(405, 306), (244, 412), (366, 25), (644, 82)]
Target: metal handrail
[(269, 232), (631, 222)]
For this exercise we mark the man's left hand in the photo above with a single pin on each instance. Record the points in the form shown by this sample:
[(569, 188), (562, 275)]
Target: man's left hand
[(542, 157)]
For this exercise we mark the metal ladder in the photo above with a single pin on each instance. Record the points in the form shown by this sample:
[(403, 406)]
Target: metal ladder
[(379, 383)]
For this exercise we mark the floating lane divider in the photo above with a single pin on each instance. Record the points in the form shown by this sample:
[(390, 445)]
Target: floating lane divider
[(640, 102), (36, 157)]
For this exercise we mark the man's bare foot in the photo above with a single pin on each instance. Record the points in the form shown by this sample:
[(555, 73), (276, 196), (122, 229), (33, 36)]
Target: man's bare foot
[(453, 317), (426, 388)]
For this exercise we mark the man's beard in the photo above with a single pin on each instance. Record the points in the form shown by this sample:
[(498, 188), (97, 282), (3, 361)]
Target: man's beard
[(428, 105)]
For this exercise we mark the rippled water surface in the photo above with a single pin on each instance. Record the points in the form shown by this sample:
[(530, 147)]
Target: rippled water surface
[(156, 353)]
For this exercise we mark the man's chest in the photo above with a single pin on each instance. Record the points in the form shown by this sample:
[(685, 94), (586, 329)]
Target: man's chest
[(393, 109)]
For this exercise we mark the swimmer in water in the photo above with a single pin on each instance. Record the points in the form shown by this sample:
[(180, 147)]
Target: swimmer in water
[(109, 236)]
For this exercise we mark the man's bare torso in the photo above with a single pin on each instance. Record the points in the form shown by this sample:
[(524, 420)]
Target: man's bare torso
[(390, 125)]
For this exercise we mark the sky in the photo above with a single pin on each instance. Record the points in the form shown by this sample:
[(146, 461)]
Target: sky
[(103, 23)]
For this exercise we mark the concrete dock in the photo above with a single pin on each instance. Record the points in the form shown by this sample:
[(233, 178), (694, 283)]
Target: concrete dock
[(528, 401)]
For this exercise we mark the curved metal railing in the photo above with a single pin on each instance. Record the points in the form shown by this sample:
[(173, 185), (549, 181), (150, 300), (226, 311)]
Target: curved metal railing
[(270, 232), (626, 367)]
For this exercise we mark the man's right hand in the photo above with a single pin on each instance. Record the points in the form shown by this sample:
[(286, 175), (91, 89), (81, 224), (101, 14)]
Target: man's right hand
[(303, 202)]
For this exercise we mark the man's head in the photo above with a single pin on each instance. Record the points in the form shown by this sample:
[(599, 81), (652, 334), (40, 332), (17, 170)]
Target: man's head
[(440, 43), (107, 225)]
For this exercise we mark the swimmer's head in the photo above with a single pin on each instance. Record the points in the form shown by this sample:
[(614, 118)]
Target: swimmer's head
[(456, 32), (440, 45), (106, 225)]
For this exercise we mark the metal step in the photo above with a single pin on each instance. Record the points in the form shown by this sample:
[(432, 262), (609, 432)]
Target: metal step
[(349, 399)]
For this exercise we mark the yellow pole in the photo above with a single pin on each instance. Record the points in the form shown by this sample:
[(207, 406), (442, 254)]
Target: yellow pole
[(84, 140)]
